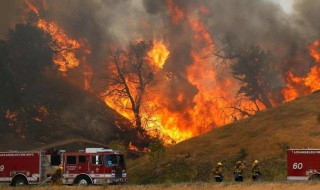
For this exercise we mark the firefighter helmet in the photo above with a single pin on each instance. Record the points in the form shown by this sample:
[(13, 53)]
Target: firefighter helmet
[(256, 162), (219, 164)]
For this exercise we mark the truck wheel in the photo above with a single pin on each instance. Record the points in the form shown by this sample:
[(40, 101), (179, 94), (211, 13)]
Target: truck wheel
[(314, 177), (83, 181), (19, 181)]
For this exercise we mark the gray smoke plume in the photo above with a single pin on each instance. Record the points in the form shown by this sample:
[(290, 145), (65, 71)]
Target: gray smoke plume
[(10, 15)]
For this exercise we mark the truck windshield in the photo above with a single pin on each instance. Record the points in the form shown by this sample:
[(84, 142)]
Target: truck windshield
[(114, 160)]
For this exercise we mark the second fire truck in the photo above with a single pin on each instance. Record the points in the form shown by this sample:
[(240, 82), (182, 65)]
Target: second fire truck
[(303, 164)]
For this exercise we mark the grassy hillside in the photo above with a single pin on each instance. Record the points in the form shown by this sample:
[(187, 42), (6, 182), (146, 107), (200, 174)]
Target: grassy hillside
[(264, 136), (69, 113)]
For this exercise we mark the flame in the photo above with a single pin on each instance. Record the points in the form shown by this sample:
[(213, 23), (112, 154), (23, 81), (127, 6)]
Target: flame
[(43, 110), (204, 10), (136, 149), (132, 147), (209, 110), (66, 58), (64, 47), (176, 13), (299, 86), (11, 116), (314, 50), (38, 119), (87, 76), (31, 6), (159, 54), (290, 93)]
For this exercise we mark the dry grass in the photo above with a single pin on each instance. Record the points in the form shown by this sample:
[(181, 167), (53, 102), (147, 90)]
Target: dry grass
[(194, 186), (264, 136), (293, 124)]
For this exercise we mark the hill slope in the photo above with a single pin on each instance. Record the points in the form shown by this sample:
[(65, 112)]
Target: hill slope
[(55, 110), (295, 124), (264, 136)]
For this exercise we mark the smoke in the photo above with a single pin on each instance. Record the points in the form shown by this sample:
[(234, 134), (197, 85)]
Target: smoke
[(10, 15), (107, 23), (307, 14)]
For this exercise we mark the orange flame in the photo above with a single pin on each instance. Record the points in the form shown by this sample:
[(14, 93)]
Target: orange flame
[(209, 110), (314, 50), (31, 6), (132, 147), (66, 58), (299, 86), (176, 13), (136, 149), (64, 47), (87, 76), (159, 54), (11, 116)]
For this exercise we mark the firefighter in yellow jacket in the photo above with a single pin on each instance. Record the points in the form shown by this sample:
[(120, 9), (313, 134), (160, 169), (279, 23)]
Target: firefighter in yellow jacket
[(56, 176), (239, 171), (217, 172), (256, 174)]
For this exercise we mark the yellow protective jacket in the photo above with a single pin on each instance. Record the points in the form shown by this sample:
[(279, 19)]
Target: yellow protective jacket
[(56, 177), (217, 170), (239, 169), (255, 170)]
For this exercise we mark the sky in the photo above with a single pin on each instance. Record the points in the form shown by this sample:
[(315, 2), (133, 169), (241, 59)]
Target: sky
[(285, 4)]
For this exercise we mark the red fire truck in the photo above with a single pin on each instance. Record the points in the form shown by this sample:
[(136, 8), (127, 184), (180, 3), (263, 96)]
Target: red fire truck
[(91, 166), (303, 164)]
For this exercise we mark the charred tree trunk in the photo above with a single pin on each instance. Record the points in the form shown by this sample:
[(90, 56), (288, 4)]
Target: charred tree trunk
[(138, 119), (265, 100)]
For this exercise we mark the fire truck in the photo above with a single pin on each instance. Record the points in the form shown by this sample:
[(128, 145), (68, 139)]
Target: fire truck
[(90, 166), (303, 164)]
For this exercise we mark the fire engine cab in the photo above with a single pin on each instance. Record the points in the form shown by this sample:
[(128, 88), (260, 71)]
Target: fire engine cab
[(90, 166), (303, 164)]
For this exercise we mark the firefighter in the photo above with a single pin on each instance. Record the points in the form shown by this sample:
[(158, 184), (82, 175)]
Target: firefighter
[(239, 171), (56, 176), (256, 174), (217, 171)]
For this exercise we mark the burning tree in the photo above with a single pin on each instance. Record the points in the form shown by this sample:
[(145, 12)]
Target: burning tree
[(251, 67), (132, 72)]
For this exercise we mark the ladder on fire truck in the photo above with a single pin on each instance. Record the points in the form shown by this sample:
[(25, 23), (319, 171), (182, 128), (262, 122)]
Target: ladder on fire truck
[(44, 162)]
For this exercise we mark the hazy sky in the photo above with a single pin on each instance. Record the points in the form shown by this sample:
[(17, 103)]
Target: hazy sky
[(285, 4)]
